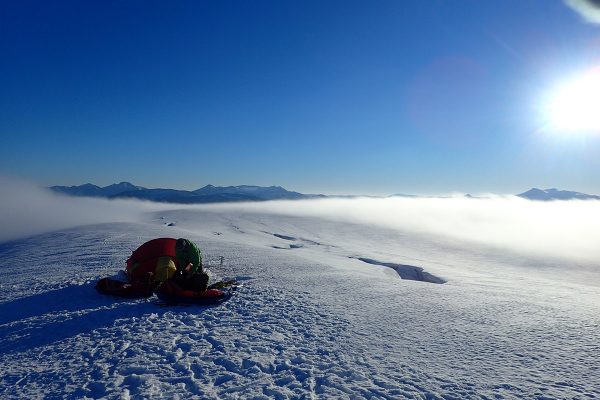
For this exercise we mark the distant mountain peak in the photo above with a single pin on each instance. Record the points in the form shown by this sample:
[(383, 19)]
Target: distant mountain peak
[(88, 185), (556, 194)]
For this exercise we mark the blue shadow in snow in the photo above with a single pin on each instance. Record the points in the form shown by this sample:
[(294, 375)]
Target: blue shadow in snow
[(56, 315), (409, 272)]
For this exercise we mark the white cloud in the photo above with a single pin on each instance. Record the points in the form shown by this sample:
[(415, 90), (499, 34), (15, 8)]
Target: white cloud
[(588, 9), (568, 229), (27, 209)]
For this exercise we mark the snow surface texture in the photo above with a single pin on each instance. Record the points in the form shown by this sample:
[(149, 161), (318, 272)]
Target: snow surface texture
[(311, 320)]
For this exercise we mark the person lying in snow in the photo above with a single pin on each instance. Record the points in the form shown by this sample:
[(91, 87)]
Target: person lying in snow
[(189, 274), (163, 259), (189, 256), (153, 261)]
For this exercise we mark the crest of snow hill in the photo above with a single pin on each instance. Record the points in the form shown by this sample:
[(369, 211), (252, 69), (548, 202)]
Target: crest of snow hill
[(217, 194)]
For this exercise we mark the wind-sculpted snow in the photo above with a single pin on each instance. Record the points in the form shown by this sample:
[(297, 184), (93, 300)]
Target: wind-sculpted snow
[(410, 272), (311, 321)]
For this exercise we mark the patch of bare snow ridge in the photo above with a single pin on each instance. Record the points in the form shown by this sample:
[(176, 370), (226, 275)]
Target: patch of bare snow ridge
[(311, 320)]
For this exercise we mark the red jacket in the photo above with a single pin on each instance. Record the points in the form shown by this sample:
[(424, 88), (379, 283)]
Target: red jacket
[(143, 260)]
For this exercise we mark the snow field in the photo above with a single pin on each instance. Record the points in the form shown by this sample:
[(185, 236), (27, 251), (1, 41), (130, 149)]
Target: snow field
[(308, 322)]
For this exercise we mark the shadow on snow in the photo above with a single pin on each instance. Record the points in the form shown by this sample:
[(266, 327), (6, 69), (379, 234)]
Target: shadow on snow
[(43, 319)]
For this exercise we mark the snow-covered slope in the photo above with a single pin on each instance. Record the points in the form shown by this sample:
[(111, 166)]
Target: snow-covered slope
[(312, 320)]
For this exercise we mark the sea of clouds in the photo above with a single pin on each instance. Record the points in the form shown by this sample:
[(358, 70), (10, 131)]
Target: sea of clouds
[(27, 209), (569, 229), (566, 229)]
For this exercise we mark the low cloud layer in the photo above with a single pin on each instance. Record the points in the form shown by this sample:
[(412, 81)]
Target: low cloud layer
[(588, 9), (27, 209), (569, 229)]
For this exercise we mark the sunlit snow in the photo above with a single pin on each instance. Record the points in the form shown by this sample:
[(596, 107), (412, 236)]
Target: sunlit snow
[(322, 311)]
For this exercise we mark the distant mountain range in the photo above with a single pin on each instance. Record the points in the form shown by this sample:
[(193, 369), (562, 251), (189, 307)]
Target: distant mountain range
[(555, 194), (219, 194), (207, 194)]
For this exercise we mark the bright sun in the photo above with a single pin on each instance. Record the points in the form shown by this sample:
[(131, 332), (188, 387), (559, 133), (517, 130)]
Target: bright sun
[(574, 106)]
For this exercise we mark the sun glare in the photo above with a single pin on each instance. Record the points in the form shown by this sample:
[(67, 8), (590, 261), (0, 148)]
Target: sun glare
[(574, 107)]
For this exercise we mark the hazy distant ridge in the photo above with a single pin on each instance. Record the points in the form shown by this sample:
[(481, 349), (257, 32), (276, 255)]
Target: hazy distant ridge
[(91, 190), (206, 194), (218, 194), (556, 194)]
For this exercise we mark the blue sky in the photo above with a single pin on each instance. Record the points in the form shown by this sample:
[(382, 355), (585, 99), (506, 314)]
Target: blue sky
[(372, 97)]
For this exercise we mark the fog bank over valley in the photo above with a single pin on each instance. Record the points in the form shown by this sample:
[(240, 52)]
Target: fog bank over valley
[(569, 229)]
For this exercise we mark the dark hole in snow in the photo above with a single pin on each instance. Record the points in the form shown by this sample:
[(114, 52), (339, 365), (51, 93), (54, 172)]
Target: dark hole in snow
[(409, 272), (291, 246), (284, 237)]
